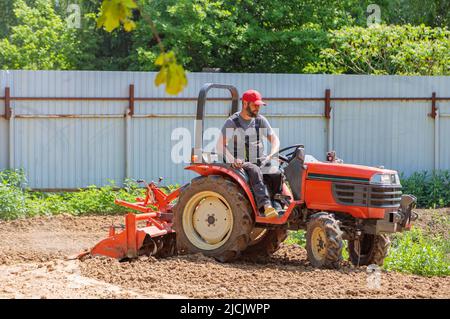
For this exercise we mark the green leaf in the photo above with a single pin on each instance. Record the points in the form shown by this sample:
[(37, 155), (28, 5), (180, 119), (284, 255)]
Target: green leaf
[(115, 12), (171, 73)]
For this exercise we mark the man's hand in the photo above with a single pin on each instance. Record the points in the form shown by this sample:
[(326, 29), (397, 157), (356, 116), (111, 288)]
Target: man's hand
[(266, 160), (238, 163)]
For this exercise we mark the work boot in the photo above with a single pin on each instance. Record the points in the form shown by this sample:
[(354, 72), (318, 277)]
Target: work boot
[(270, 212), (277, 205)]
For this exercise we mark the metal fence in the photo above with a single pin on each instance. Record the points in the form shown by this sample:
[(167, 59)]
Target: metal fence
[(71, 129)]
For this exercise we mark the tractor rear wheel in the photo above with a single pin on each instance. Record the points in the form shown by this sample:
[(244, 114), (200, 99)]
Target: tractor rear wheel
[(324, 241), (213, 217), (267, 241), (369, 249)]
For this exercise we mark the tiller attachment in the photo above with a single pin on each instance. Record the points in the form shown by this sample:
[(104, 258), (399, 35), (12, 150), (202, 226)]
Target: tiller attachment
[(153, 239), (146, 233)]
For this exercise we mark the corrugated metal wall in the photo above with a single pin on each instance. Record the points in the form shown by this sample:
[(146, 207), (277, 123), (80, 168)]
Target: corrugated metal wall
[(77, 152)]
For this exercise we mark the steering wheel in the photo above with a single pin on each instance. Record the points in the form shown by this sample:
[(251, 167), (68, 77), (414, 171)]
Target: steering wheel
[(286, 158)]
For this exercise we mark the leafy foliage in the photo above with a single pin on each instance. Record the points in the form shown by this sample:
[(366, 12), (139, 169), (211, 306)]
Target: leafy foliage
[(116, 12), (12, 197), (433, 13), (40, 40), (92, 200), (241, 35), (17, 202), (381, 49), (297, 237), (171, 73), (431, 189), (275, 36), (416, 253)]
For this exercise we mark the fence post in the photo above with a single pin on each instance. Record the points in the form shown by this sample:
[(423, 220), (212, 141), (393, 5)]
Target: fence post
[(128, 116), (433, 106), (131, 101), (330, 121), (327, 103), (435, 115), (10, 117), (7, 103)]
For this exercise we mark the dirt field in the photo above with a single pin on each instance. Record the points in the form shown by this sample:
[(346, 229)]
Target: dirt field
[(32, 265)]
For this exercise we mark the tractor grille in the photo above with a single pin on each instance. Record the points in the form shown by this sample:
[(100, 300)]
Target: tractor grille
[(367, 195)]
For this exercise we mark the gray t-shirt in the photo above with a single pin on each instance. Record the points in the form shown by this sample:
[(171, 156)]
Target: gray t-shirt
[(246, 129)]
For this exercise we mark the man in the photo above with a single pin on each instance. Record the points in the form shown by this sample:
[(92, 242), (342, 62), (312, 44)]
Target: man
[(246, 128)]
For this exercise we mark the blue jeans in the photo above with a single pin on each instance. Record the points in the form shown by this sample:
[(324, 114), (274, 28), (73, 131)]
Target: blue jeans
[(262, 194)]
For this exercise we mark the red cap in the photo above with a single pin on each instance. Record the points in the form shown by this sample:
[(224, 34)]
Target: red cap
[(253, 96)]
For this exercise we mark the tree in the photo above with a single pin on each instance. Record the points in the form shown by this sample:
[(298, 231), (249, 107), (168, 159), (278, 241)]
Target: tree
[(402, 50), (433, 13), (240, 35), (40, 40)]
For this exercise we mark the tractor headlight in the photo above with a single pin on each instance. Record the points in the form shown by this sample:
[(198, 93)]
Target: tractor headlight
[(385, 179)]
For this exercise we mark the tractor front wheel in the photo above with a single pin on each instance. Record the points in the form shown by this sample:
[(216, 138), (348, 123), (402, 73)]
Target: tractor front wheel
[(369, 249), (324, 241), (213, 217)]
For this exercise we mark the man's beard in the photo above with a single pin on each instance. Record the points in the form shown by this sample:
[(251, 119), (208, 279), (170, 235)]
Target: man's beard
[(252, 114)]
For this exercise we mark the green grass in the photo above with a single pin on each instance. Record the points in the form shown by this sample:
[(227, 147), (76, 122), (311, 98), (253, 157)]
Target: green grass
[(18, 202), (418, 253)]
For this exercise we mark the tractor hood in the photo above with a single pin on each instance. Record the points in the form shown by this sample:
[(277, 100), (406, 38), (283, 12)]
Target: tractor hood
[(345, 172)]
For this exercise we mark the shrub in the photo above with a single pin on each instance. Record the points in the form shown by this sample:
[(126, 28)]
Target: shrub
[(16, 202), (431, 189), (385, 49), (92, 200), (12, 196), (414, 252)]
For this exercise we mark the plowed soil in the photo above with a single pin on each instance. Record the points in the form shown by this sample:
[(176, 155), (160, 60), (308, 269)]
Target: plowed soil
[(33, 265)]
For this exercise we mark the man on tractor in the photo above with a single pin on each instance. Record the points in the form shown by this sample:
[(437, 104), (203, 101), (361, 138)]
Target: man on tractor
[(216, 214), (247, 151)]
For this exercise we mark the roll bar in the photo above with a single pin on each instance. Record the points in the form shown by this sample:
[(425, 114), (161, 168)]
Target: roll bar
[(201, 101)]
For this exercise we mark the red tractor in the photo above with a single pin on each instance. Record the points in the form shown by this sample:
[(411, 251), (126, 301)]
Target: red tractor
[(216, 215)]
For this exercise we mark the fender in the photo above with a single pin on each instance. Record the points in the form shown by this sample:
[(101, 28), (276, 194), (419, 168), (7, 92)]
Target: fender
[(211, 169)]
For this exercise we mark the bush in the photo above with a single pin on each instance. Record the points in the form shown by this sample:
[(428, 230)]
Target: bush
[(413, 252), (431, 189), (17, 202), (41, 40), (92, 200), (383, 49), (12, 197)]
